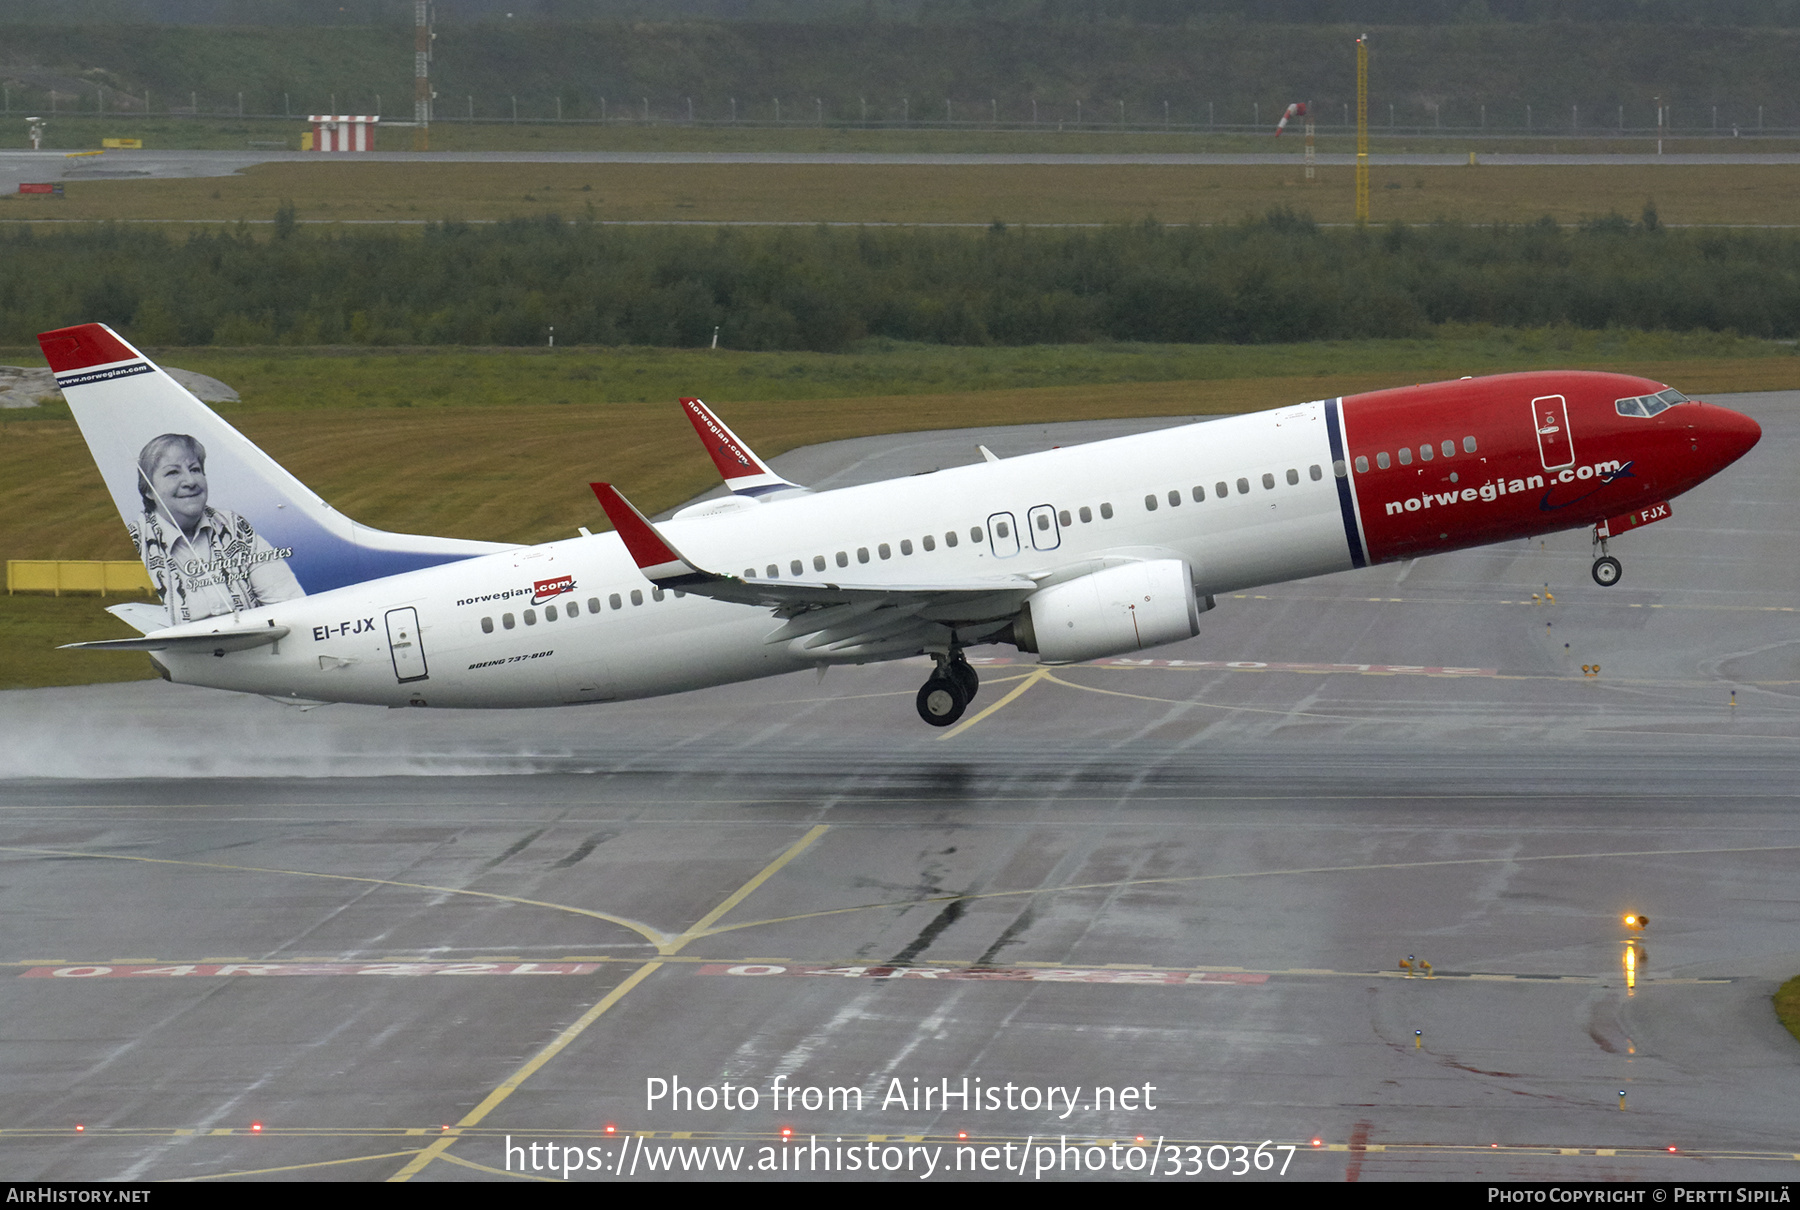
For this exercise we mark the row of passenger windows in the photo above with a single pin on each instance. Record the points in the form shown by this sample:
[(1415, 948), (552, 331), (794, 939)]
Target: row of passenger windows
[(1406, 455), (1222, 489), (883, 550), (572, 609)]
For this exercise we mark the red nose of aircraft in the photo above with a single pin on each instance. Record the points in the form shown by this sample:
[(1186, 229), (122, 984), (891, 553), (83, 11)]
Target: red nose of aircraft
[(1724, 434)]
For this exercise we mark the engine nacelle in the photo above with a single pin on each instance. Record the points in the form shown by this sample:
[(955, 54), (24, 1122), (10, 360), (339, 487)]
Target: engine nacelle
[(1111, 612)]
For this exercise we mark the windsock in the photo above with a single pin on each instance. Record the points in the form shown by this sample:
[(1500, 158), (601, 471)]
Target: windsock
[(1296, 110)]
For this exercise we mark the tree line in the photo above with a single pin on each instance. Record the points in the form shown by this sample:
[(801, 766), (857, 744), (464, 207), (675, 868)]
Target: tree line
[(1278, 278)]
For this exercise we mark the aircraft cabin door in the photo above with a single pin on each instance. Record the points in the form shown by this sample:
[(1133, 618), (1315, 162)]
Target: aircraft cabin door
[(1550, 416), (404, 645), (1003, 535), (1044, 532)]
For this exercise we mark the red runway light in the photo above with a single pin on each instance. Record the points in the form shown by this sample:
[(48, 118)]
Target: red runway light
[(79, 1128), (1317, 1142), (443, 1127), (1671, 1150), (787, 1132), (962, 1134), (611, 1129), (256, 1128)]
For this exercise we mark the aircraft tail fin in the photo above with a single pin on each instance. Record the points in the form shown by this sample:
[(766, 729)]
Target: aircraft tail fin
[(220, 525), (744, 473)]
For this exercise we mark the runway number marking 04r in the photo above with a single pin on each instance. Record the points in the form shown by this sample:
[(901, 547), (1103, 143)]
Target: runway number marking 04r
[(1016, 974), (183, 970)]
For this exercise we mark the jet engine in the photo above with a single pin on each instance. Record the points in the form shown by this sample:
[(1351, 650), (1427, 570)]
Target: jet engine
[(1111, 612)]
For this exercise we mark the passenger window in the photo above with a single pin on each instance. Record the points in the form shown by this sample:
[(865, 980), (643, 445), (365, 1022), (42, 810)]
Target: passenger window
[(862, 554), (573, 609), (593, 604), (612, 600), (1362, 466), (1449, 449), (975, 532), (749, 573), (1425, 453), (1106, 512), (843, 560), (1174, 499), (906, 546), (1243, 487), (1199, 493), (506, 620), (637, 596), (774, 570), (1043, 523), (1318, 474), (1150, 504), (818, 562), (487, 626), (1293, 476), (1221, 490), (930, 542), (656, 594), (530, 616), (1268, 482), (1406, 455), (795, 567), (679, 594), (1381, 460), (1064, 517), (950, 538), (1086, 514), (549, 613), (1468, 445), (885, 551)]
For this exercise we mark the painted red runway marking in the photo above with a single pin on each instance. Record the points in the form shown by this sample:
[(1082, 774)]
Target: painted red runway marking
[(183, 970), (1018, 974)]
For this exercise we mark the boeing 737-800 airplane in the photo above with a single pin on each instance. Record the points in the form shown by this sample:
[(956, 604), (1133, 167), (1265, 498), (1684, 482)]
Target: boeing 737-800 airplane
[(1072, 554)]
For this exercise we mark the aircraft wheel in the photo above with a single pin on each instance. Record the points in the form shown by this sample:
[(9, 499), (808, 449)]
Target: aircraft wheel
[(942, 701), (964, 675), (1607, 571)]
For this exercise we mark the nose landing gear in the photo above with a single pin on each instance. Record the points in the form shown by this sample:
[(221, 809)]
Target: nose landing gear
[(1607, 569), (948, 693)]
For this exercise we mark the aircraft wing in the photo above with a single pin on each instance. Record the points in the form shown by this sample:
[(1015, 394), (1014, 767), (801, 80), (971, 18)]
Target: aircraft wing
[(814, 605)]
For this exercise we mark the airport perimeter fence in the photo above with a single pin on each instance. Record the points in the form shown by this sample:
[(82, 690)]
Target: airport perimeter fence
[(57, 576), (1461, 121)]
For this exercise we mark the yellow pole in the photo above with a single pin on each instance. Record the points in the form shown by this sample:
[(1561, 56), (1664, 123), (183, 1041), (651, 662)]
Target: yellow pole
[(1362, 129)]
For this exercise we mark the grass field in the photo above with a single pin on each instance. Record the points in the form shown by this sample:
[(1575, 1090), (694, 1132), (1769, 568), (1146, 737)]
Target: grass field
[(500, 444), (1787, 1005), (339, 190)]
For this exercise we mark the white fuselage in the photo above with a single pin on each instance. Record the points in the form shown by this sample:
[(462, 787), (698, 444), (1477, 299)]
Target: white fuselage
[(481, 641)]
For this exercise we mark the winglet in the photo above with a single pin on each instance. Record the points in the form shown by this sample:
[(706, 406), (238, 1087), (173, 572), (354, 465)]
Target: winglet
[(744, 473), (660, 562)]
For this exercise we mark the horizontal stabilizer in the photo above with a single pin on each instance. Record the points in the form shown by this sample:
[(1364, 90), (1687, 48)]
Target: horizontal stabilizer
[(218, 641)]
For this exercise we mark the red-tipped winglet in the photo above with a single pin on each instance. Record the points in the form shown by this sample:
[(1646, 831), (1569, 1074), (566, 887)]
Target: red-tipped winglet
[(744, 473), (660, 562)]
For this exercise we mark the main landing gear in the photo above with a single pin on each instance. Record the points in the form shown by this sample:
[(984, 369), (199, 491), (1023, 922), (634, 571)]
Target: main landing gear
[(948, 693), (1606, 568)]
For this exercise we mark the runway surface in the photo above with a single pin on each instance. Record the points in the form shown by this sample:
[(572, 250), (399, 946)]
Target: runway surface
[(1191, 877), (18, 166)]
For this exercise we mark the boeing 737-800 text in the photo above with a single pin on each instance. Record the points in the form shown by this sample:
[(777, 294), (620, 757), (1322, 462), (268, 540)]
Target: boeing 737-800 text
[(1072, 554)]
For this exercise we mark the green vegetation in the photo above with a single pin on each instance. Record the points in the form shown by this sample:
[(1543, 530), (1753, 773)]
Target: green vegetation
[(1229, 68), (340, 189), (1274, 280), (1787, 1005)]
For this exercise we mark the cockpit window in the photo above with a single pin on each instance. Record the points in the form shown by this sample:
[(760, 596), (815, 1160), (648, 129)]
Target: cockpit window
[(1650, 405)]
